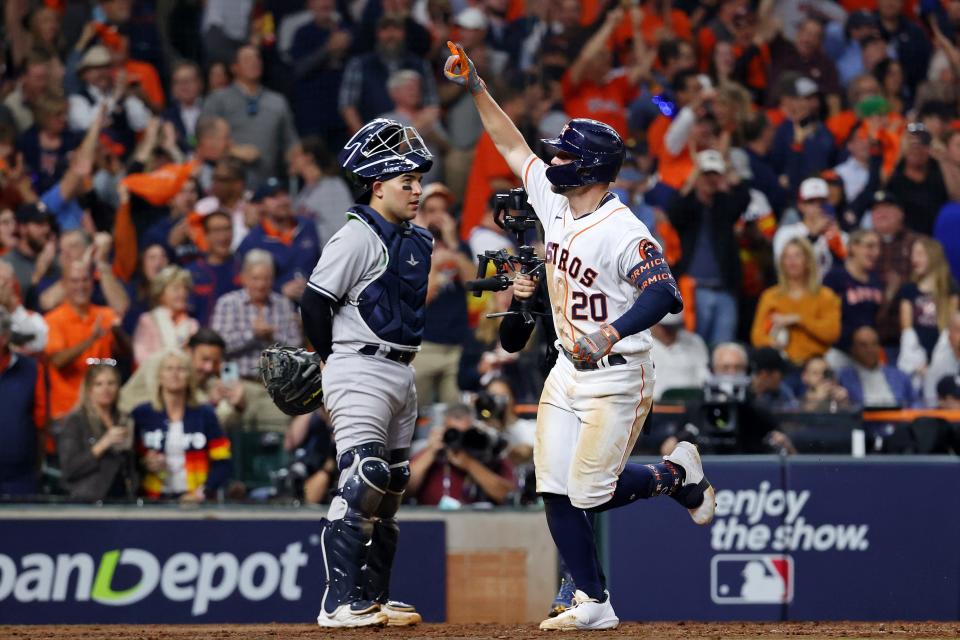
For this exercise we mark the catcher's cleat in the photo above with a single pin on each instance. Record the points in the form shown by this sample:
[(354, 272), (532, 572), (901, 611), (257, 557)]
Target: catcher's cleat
[(564, 598), (361, 613), (697, 494), (400, 614), (586, 614)]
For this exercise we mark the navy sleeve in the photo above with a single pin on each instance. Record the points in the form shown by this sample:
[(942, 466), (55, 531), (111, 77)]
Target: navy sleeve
[(317, 312)]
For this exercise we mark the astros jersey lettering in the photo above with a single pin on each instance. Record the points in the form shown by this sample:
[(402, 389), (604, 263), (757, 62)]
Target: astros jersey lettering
[(593, 262)]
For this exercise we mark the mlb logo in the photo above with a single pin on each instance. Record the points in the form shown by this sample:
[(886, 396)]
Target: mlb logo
[(751, 578)]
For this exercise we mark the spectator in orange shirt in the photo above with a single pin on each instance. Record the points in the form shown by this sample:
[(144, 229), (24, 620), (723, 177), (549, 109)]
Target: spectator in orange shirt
[(685, 88), (799, 315), (593, 89), (655, 24), (752, 52), (720, 29), (694, 129), (842, 123), (80, 334), (142, 77)]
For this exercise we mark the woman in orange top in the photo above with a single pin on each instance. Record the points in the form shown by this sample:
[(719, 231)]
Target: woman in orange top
[(798, 315)]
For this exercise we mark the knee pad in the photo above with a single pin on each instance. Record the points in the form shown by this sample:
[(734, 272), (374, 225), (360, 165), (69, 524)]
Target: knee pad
[(399, 477), (364, 478)]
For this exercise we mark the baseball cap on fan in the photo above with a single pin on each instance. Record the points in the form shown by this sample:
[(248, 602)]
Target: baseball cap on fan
[(471, 18), (883, 196), (711, 161), (814, 189), (96, 56), (801, 87), (35, 212), (271, 187)]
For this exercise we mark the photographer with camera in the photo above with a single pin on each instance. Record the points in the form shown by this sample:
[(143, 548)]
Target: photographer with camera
[(461, 464), (730, 419), (496, 407), (313, 468)]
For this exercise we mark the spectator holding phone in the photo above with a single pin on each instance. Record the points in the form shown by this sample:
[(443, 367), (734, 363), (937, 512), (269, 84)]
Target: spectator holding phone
[(96, 444), (818, 225), (218, 384), (821, 392)]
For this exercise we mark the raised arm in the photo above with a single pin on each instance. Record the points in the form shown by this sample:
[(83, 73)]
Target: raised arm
[(501, 129), (595, 44)]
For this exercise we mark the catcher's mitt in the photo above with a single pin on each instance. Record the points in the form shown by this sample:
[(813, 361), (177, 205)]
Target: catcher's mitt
[(292, 378)]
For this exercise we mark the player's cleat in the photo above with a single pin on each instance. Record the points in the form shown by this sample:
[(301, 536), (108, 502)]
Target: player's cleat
[(696, 494), (361, 613), (400, 614), (564, 597), (586, 614)]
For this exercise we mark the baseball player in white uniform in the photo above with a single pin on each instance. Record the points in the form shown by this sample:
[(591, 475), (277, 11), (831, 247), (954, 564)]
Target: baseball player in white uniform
[(608, 283), (363, 311)]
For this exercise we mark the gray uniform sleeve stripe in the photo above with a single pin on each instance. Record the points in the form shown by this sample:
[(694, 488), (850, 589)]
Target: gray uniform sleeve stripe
[(322, 291)]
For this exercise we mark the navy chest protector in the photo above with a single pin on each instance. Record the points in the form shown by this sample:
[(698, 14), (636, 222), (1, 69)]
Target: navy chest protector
[(394, 305)]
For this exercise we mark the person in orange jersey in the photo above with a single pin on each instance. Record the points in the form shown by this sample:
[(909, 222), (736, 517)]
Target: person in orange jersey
[(81, 333), (798, 316)]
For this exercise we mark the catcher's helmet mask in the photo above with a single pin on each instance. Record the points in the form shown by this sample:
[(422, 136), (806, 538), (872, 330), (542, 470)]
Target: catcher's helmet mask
[(383, 149), (596, 151)]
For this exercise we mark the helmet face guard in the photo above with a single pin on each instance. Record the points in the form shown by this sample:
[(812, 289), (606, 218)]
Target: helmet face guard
[(596, 149), (381, 150)]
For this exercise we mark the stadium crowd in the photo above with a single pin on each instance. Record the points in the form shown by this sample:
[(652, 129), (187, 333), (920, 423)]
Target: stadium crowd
[(168, 180)]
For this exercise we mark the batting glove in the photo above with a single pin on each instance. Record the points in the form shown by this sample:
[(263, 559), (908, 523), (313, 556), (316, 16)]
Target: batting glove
[(460, 69), (594, 346)]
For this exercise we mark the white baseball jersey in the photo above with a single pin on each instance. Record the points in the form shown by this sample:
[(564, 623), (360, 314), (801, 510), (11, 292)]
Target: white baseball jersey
[(589, 261), (589, 421)]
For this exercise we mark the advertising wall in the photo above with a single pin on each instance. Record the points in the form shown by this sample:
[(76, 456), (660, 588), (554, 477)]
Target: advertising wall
[(178, 571), (797, 539), (794, 539)]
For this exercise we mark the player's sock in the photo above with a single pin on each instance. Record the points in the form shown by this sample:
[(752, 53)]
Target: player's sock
[(639, 481), (573, 535), (592, 519)]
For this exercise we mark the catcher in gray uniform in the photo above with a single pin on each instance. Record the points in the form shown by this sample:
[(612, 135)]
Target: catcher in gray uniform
[(363, 311)]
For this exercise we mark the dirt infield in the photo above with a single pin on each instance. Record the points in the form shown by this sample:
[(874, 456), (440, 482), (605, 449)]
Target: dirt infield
[(650, 630)]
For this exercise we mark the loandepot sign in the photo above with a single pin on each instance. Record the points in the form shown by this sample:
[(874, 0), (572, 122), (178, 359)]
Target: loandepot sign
[(184, 577)]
